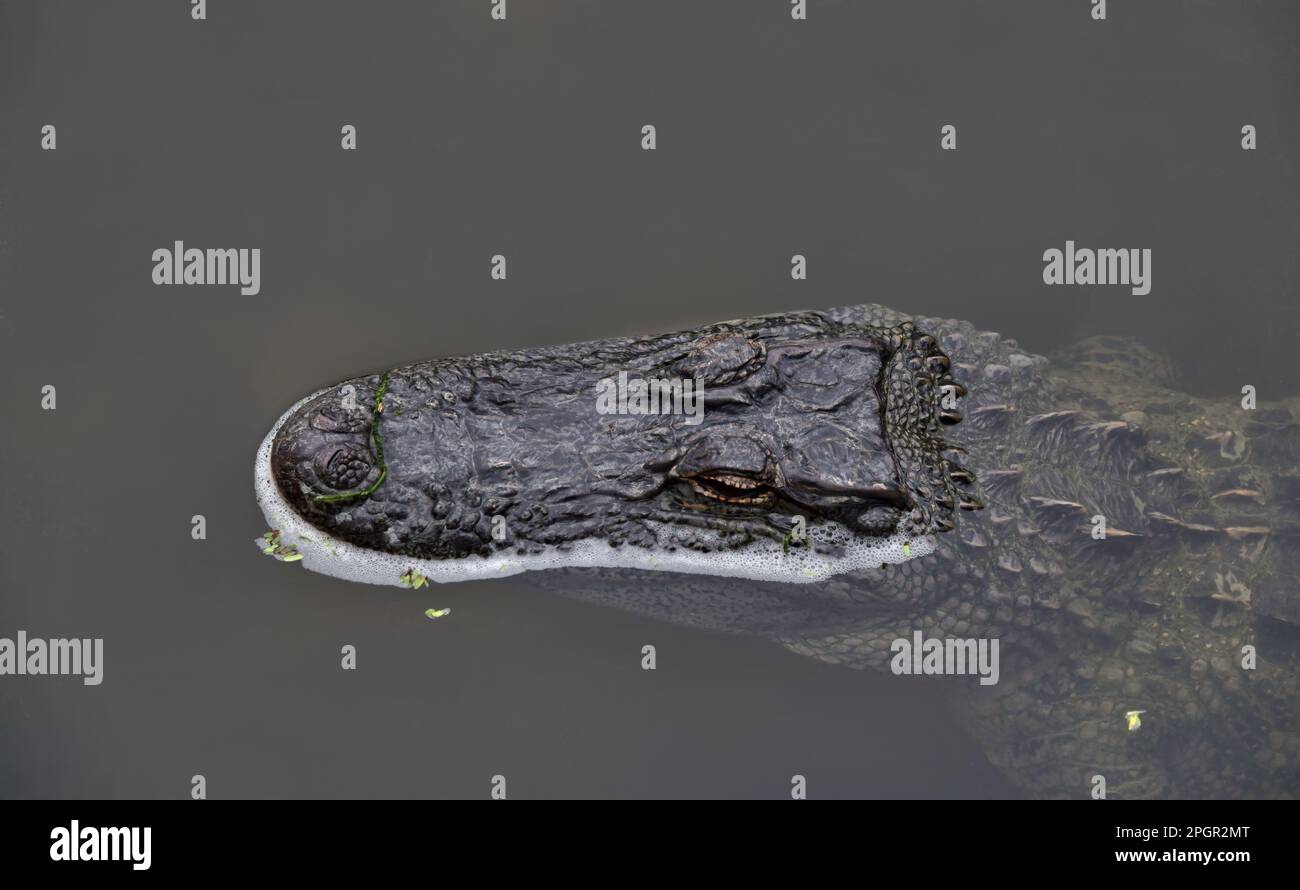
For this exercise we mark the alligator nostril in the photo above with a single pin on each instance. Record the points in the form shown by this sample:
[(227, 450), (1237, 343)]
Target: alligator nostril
[(342, 467)]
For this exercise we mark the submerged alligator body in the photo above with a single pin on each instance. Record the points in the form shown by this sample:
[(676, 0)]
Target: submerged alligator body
[(1136, 551)]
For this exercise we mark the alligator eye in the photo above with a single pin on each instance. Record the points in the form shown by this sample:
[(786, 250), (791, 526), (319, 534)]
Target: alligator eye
[(732, 488), (342, 467)]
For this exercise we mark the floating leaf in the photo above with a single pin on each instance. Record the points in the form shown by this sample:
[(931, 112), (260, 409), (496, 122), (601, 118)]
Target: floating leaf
[(413, 579)]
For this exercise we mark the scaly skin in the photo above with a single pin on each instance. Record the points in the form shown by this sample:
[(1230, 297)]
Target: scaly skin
[(837, 416), (838, 422), (1153, 618)]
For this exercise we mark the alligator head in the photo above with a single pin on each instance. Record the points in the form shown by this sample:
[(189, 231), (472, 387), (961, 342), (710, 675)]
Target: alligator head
[(1138, 554), (786, 447)]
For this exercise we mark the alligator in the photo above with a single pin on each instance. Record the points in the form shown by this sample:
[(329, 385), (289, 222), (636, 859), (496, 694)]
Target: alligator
[(860, 476)]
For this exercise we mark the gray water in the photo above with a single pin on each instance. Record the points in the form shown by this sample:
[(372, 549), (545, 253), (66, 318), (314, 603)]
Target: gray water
[(522, 138)]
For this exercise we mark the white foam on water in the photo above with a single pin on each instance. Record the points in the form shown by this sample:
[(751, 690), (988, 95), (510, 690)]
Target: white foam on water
[(760, 560)]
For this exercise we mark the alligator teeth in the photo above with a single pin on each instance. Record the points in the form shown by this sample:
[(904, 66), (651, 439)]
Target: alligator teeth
[(759, 494), (734, 481)]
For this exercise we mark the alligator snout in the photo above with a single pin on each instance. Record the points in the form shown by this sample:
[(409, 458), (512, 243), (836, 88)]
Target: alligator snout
[(323, 452)]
